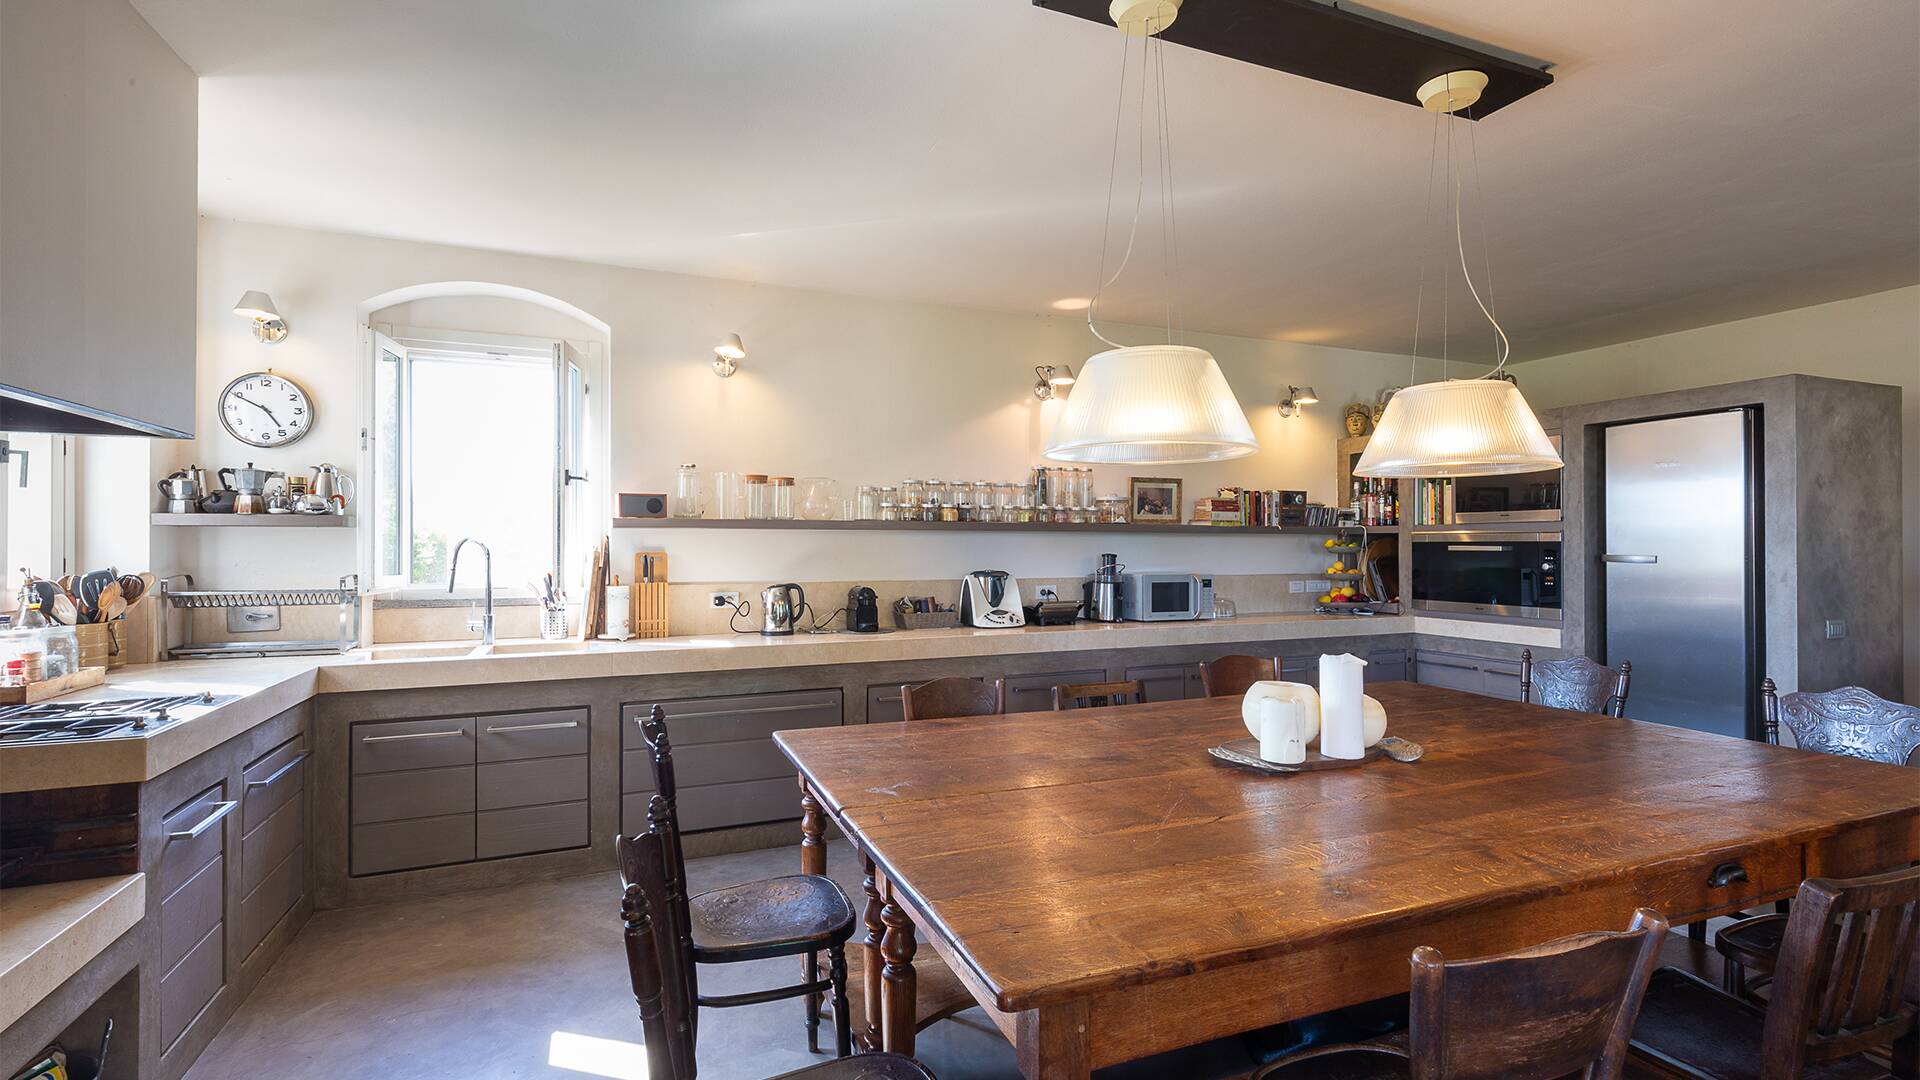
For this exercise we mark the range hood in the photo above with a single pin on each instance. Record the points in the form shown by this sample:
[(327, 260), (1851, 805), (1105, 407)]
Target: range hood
[(23, 410)]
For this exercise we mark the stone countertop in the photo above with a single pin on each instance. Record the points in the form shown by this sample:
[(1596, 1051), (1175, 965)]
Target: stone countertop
[(261, 688), (48, 932)]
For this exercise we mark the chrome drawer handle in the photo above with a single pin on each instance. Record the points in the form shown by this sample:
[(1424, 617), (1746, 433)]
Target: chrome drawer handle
[(220, 810), (1726, 874), (534, 727), (414, 735), (1640, 559), (1446, 664), (279, 772), (756, 709)]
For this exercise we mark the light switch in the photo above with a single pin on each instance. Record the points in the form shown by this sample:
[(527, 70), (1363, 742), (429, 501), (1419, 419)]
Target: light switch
[(1836, 629), (1296, 586)]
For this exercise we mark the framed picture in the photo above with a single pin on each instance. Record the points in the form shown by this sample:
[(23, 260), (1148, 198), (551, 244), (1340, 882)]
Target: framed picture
[(1155, 499)]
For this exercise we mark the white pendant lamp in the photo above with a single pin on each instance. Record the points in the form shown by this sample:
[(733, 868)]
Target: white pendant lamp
[(1458, 427), (1148, 404)]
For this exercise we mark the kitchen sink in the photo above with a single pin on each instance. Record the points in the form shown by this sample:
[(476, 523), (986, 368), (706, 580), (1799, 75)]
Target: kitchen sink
[(439, 649), (509, 648), (416, 652)]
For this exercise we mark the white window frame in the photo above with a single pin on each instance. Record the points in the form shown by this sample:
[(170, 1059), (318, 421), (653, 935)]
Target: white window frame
[(571, 521), (53, 465)]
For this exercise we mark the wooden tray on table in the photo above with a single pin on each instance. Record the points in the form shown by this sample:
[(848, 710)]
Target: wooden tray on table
[(1245, 754)]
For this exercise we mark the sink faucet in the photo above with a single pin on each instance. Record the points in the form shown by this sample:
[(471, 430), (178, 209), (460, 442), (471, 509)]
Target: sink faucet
[(485, 625)]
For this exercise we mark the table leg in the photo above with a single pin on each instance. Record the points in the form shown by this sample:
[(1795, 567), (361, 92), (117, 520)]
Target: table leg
[(870, 957), (897, 1003), (1053, 1044), (813, 860)]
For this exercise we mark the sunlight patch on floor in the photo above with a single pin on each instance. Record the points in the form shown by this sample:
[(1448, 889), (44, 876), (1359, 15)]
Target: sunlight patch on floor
[(616, 1059)]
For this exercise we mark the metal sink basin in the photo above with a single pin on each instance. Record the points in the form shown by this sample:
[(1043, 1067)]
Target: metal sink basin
[(417, 652), (510, 648)]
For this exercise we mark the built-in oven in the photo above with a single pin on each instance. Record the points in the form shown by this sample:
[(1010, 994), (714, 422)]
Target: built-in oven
[(1514, 574), (1530, 496)]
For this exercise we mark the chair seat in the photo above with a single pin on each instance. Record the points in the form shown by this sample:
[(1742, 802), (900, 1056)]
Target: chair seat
[(1688, 1025), (780, 916), (862, 1067), (1753, 943)]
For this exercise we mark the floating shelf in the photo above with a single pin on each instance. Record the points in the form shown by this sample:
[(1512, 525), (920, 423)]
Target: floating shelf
[(257, 521), (982, 526)]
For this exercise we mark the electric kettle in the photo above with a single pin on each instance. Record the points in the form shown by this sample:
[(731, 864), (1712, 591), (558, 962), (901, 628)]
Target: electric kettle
[(780, 607)]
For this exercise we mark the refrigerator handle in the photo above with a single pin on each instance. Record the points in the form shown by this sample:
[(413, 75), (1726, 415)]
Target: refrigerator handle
[(1630, 558)]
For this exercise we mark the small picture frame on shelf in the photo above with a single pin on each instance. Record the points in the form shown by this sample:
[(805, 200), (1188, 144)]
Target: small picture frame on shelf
[(1155, 499)]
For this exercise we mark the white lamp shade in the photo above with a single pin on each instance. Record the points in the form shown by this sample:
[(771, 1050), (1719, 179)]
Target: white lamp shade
[(731, 348), (1464, 427), (256, 305), (1151, 404)]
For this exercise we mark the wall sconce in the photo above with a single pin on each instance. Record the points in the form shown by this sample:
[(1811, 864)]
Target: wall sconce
[(727, 356), (1049, 380), (1297, 396), (268, 327)]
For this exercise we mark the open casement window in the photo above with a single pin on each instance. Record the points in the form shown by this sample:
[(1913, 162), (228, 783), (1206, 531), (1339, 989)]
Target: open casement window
[(479, 436), (36, 510)]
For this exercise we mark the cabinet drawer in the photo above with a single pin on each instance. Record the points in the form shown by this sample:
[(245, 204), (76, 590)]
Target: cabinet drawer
[(1684, 895), (1034, 693), (883, 705), (192, 836), (190, 911), (405, 845), (691, 721), (425, 793), (528, 829), (1300, 669), (1451, 672), (713, 763), (1386, 665), (263, 848), (190, 985), (719, 806), (280, 888), (511, 736), (530, 783), (412, 744), (271, 780), (1167, 682)]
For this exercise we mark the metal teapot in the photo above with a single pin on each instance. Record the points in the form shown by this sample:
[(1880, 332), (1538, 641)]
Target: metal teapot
[(332, 487)]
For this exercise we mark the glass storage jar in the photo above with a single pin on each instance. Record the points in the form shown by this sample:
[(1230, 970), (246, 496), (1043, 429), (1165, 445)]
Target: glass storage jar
[(1113, 509), (889, 510), (759, 496), (867, 502), (687, 495), (780, 498), (912, 494)]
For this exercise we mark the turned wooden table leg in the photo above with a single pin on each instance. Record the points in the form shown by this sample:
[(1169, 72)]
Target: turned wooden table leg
[(813, 860), (1053, 1043), (870, 957), (896, 973)]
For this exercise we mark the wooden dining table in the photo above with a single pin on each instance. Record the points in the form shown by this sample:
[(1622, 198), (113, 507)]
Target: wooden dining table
[(1105, 890)]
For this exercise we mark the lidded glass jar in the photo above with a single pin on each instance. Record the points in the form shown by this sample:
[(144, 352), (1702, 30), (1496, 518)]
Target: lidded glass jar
[(687, 496), (912, 494), (759, 496), (935, 500), (780, 497)]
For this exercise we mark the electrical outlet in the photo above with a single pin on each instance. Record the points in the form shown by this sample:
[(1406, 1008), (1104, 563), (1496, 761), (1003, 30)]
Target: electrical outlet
[(1836, 629), (1296, 586), (724, 599), (1048, 592)]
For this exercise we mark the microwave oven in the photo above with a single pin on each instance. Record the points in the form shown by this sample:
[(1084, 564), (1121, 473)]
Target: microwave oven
[(1164, 597), (1530, 496), (1513, 574)]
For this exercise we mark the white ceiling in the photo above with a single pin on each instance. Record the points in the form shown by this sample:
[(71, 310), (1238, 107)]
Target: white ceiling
[(1694, 162)]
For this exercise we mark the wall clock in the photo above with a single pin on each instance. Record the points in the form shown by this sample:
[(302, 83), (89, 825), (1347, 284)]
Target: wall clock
[(261, 408)]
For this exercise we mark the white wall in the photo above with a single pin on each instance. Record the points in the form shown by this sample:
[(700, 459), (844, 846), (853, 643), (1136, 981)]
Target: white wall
[(858, 389), (1872, 338)]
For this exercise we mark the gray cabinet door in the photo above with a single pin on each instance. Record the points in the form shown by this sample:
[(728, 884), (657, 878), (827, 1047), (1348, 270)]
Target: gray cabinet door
[(883, 704), (392, 745), (1386, 665), (729, 770), (193, 903), (1500, 679), (1301, 669), (1034, 693), (512, 736), (1167, 682), (1448, 670)]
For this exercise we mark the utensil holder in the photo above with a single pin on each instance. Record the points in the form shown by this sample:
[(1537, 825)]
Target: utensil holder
[(648, 601), (926, 620), (553, 624)]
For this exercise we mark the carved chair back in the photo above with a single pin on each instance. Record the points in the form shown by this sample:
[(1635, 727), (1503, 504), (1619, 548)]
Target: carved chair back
[(1231, 676), (658, 964), (941, 699), (1566, 1007), (1850, 721), (1096, 695), (1575, 683), (663, 818), (1841, 984)]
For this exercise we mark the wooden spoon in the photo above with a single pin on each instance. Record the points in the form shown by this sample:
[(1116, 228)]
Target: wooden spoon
[(64, 611)]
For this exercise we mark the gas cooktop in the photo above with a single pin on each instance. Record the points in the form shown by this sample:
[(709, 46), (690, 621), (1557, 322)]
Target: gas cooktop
[(77, 721)]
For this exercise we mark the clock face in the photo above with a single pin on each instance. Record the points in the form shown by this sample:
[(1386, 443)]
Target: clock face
[(264, 409)]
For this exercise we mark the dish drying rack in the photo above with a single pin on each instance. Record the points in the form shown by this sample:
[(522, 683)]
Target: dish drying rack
[(346, 595)]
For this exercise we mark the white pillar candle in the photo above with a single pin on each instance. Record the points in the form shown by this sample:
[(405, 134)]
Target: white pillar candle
[(1342, 723), (1283, 730)]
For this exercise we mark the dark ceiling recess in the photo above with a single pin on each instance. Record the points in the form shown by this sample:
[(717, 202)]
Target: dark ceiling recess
[(1318, 41)]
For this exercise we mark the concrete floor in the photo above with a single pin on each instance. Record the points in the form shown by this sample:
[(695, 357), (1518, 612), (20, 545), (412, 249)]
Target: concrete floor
[(531, 981)]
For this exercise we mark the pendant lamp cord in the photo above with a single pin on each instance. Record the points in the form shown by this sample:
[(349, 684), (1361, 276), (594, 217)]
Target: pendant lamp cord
[(1426, 242), (1502, 345), (1152, 62)]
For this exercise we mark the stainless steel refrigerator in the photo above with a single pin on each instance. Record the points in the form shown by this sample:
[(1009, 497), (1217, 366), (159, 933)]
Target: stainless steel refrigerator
[(1682, 573)]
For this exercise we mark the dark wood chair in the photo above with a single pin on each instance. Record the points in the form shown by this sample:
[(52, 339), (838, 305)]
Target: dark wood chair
[(796, 915), (1849, 721), (941, 699), (1231, 676), (1559, 1009), (662, 969), (1844, 983), (1096, 695), (1575, 683)]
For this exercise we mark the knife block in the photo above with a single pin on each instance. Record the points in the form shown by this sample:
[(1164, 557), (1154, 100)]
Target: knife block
[(647, 600)]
